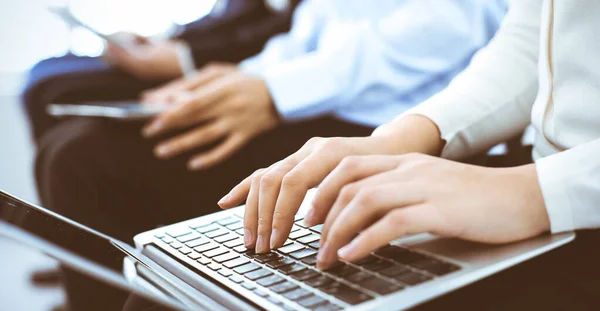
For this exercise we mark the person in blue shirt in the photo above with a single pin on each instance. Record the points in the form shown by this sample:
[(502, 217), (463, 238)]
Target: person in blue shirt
[(345, 67)]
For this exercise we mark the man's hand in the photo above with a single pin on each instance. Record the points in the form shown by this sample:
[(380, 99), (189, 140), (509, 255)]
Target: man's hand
[(144, 59), (274, 194), (368, 201), (232, 108)]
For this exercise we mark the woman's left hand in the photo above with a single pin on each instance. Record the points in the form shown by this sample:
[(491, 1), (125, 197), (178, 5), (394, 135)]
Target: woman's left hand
[(371, 200)]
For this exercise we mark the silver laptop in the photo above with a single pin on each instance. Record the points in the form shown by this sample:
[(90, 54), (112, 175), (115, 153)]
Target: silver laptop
[(208, 253)]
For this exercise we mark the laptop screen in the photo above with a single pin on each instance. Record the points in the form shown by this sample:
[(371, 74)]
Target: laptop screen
[(84, 290)]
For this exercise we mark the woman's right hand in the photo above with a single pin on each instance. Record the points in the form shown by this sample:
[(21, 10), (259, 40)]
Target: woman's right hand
[(274, 194)]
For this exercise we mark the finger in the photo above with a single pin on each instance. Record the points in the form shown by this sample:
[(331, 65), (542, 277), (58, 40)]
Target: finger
[(369, 204), (351, 169), (270, 184), (251, 211), (190, 108), (170, 91), (396, 224), (294, 185), (217, 154), (240, 192), (195, 138)]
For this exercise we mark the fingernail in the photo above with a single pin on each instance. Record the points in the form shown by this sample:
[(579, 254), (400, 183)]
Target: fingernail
[(162, 150), (247, 238), (195, 164), (346, 251), (224, 199), (325, 255), (153, 128), (261, 245), (308, 219), (274, 238)]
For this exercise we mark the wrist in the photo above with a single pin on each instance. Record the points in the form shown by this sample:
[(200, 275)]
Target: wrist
[(411, 133), (524, 180)]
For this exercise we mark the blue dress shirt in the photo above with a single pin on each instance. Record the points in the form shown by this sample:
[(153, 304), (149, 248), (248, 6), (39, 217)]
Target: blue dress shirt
[(368, 61)]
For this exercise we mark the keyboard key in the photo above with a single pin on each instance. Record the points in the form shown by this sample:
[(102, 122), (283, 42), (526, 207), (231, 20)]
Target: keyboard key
[(159, 235), (287, 242), (236, 279), (295, 228), (310, 260), (380, 286), (199, 224), (204, 261), (188, 237), (226, 257), (236, 225), (280, 262), (216, 252), (214, 266), (185, 250), (309, 238), (248, 285), (318, 281), (343, 270), (251, 254), (270, 280), (366, 260), (274, 300), (227, 221), (393, 270), (312, 301), (304, 274), (225, 272), (300, 223), (303, 253), (255, 275), (358, 277), (317, 228), (178, 231), (298, 234), (297, 294), (209, 228), (246, 268), (315, 245), (261, 292), (194, 255), (283, 287), (291, 268), (206, 247), (435, 266), (236, 262), (327, 307), (378, 264), (197, 242), (167, 239), (346, 293), (216, 233), (176, 245), (226, 238), (399, 254), (235, 243), (290, 248), (240, 231), (412, 278), (262, 258), (240, 249)]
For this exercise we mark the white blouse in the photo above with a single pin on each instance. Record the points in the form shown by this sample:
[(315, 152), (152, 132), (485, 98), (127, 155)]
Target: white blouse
[(543, 68)]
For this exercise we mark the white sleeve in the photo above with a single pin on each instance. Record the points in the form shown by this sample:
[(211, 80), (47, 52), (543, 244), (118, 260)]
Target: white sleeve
[(570, 185), (492, 99)]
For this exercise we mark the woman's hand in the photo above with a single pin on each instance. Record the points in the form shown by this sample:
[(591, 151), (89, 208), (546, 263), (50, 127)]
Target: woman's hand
[(230, 106), (368, 201)]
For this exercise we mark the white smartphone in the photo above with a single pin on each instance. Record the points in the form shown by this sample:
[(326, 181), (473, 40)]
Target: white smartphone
[(122, 110), (67, 16)]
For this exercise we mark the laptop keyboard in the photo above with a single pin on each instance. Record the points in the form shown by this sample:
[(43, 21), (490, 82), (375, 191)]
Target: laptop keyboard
[(288, 277)]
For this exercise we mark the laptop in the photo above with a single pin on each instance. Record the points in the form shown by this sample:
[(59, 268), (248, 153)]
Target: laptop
[(208, 254)]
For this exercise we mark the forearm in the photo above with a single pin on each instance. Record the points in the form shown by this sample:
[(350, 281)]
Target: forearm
[(411, 133)]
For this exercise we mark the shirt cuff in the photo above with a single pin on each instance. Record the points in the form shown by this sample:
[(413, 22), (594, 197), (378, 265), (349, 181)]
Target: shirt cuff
[(185, 58), (556, 198), (300, 88)]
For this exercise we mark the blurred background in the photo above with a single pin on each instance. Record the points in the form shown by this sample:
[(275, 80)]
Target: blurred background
[(28, 34)]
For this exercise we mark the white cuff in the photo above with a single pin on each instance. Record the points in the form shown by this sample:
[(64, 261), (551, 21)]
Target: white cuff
[(185, 58), (556, 197)]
